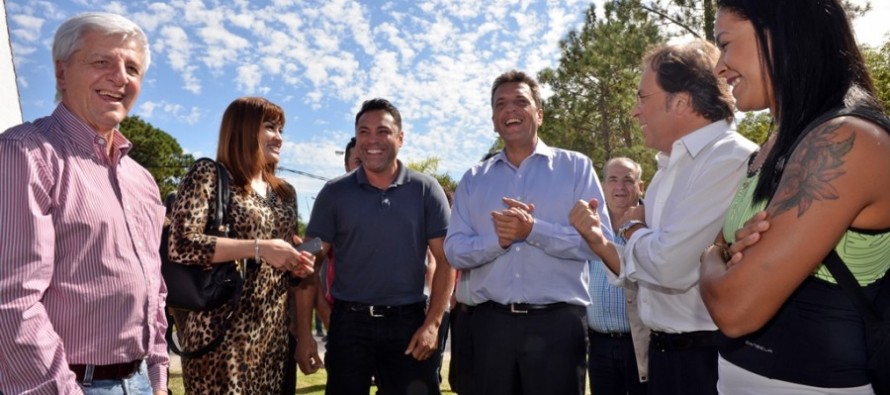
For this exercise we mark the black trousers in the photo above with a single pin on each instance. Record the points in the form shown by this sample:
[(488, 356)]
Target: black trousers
[(361, 345), (612, 365), (531, 353), (684, 364), (460, 371)]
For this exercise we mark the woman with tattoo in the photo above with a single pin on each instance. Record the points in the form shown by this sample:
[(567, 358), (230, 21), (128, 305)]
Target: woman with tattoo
[(820, 182)]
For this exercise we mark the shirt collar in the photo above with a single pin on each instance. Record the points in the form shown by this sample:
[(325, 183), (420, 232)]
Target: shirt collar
[(401, 175), (540, 149), (696, 141), (85, 138)]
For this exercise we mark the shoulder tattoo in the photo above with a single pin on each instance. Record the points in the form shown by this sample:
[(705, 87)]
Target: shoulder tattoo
[(814, 164)]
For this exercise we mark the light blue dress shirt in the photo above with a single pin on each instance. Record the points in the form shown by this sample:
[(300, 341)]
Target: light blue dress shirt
[(551, 264), (607, 312)]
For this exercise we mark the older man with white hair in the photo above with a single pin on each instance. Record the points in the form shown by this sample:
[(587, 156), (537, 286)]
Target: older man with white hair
[(82, 306)]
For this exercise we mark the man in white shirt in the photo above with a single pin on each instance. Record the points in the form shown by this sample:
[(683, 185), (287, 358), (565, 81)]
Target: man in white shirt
[(685, 113)]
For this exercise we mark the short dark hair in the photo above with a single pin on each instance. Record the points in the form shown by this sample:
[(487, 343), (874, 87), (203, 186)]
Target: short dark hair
[(518, 76), (349, 147), (689, 68), (813, 64), (376, 104)]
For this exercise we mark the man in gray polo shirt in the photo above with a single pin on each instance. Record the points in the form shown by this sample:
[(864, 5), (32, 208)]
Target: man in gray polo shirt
[(380, 219)]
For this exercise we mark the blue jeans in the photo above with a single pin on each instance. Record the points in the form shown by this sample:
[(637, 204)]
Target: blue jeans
[(138, 384), (360, 346)]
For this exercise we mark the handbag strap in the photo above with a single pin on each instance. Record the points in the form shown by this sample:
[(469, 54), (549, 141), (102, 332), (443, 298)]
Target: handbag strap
[(851, 287), (833, 261), (219, 224), (218, 221)]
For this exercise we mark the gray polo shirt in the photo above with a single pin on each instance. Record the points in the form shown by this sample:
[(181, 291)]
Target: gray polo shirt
[(379, 237)]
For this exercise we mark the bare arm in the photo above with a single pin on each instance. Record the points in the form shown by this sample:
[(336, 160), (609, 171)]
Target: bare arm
[(307, 348), (585, 219), (425, 340), (834, 180)]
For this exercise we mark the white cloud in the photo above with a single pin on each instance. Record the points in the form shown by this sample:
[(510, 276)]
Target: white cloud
[(28, 27), (168, 110), (115, 7), (393, 36), (174, 40), (147, 109), (156, 14), (225, 45), (435, 59), (249, 77)]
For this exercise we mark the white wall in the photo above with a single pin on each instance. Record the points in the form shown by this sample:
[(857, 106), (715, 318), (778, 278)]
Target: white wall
[(10, 107)]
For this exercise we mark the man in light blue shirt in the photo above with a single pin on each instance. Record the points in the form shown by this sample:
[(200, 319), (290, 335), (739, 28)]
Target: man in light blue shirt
[(528, 266), (618, 339)]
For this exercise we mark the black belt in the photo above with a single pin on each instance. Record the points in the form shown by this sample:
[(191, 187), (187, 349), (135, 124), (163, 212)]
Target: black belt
[(378, 311), (613, 335), (118, 371), (683, 341), (464, 308), (524, 308)]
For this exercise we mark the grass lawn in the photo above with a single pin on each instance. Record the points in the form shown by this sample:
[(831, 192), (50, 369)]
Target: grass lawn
[(313, 384)]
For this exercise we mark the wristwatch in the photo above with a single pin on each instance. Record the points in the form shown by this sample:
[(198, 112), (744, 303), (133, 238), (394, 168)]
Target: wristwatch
[(622, 231)]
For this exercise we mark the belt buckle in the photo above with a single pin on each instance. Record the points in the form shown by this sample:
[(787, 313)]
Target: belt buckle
[(515, 310), (88, 376), (373, 314)]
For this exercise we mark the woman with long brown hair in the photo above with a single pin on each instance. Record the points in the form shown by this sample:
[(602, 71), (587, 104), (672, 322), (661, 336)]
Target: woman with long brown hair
[(262, 214)]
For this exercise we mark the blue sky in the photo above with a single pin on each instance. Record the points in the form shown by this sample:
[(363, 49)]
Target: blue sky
[(319, 60)]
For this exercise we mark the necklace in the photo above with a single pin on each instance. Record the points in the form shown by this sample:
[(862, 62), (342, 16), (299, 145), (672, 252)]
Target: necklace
[(754, 165)]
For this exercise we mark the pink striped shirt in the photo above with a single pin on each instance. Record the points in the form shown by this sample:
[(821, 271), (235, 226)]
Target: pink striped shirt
[(80, 275)]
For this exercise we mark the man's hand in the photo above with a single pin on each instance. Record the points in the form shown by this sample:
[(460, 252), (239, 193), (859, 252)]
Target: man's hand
[(307, 355), (586, 220), (514, 223), (424, 342)]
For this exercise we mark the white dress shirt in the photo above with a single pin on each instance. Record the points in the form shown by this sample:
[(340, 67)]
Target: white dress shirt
[(684, 205)]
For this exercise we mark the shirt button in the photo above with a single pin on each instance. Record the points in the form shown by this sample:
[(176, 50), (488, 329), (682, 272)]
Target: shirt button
[(518, 249), (517, 275)]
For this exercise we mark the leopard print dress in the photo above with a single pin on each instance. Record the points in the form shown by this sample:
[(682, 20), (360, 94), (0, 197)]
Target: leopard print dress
[(251, 358)]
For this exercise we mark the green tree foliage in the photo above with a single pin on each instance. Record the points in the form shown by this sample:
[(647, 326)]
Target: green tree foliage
[(594, 86), (430, 166), (696, 17), (158, 152), (756, 126), (878, 62)]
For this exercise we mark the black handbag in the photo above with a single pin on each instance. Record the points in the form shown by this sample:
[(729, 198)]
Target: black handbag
[(196, 287), (200, 288), (877, 321)]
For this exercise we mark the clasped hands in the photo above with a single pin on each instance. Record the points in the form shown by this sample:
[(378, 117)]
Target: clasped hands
[(513, 223), (283, 256)]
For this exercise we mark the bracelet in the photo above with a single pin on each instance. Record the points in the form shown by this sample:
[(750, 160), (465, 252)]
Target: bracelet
[(725, 253), (256, 250)]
